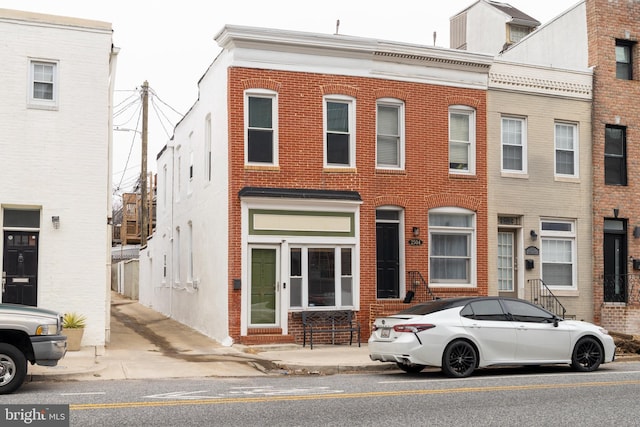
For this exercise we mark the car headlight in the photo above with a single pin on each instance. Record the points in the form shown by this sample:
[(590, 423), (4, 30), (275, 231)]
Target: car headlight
[(603, 330), (47, 330)]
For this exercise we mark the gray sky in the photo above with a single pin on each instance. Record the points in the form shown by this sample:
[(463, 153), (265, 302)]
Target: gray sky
[(170, 44)]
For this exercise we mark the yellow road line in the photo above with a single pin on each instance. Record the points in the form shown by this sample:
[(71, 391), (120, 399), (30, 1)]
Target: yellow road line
[(121, 405)]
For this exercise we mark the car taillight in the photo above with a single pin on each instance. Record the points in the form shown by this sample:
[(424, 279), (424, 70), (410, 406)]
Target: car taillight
[(413, 328)]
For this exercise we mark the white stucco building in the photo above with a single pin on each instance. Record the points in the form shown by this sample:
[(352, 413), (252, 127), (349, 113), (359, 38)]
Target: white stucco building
[(55, 181)]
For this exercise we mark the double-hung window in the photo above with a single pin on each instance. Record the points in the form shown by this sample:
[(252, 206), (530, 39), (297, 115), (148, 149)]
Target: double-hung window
[(451, 247), (566, 149), (390, 134), (43, 85), (624, 63), (462, 140), (558, 254), (615, 155), (339, 123), (514, 145), (321, 276), (261, 118)]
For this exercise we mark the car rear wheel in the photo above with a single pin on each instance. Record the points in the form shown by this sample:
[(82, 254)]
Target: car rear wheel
[(459, 359), (410, 368), (13, 368), (587, 355)]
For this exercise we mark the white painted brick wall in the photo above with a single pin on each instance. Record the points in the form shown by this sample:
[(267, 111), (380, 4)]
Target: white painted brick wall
[(57, 161)]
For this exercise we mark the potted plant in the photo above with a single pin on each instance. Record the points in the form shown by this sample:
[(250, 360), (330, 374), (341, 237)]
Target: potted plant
[(73, 327)]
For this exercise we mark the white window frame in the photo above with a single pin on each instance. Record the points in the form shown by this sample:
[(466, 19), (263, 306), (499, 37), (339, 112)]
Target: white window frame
[(471, 143), (351, 102), (575, 149), (190, 253), (523, 144), (557, 235), (399, 106), (268, 94), (208, 153), (42, 103), (338, 276), (470, 232)]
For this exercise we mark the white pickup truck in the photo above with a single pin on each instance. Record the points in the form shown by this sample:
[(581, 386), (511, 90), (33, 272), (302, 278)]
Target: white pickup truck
[(27, 334)]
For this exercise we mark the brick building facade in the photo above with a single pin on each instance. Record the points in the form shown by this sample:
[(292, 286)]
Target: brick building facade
[(612, 28), (330, 165)]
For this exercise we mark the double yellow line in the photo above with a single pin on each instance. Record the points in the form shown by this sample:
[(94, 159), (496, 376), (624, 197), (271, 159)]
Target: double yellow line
[(191, 402)]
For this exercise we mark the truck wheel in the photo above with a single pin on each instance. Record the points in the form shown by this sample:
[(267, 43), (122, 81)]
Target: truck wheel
[(13, 368)]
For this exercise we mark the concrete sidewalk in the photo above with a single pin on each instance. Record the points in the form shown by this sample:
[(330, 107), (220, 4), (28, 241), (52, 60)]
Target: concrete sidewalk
[(147, 344)]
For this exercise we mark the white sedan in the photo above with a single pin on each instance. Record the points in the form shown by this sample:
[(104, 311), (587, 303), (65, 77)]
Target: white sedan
[(459, 335)]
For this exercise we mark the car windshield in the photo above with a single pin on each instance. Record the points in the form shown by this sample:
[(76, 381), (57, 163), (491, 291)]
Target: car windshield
[(433, 306)]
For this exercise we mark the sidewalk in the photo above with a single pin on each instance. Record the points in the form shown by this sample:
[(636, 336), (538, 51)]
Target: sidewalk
[(147, 344)]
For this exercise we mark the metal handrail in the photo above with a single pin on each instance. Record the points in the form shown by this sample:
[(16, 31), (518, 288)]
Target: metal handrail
[(415, 282), (542, 296)]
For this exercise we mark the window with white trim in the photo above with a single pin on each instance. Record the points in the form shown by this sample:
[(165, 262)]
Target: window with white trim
[(390, 134), (43, 84), (452, 253), (190, 254), (462, 140), (514, 145), (566, 152), (321, 276), (339, 129), (558, 253), (261, 132), (208, 154)]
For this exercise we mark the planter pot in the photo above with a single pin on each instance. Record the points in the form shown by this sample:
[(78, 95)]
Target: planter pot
[(74, 338)]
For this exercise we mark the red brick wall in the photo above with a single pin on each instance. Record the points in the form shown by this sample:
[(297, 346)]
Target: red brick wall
[(425, 183), (615, 103)]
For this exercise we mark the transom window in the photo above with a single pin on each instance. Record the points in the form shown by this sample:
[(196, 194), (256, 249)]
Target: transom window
[(261, 118), (566, 141), (558, 240), (462, 140), (43, 84), (514, 145), (339, 132), (390, 134), (615, 155), (321, 276), (451, 247)]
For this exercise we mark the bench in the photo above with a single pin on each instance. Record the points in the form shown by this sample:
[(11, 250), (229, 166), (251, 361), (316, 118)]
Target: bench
[(315, 322)]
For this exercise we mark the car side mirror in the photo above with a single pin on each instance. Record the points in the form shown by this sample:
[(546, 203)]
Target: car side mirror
[(555, 322)]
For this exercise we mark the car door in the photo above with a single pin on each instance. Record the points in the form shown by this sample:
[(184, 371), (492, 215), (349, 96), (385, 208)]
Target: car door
[(488, 324), (539, 337)]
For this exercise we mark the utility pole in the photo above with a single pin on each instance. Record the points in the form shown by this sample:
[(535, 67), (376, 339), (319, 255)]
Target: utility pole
[(144, 207)]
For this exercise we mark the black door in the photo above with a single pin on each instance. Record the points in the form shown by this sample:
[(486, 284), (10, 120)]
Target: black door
[(20, 268), (388, 260), (615, 264)]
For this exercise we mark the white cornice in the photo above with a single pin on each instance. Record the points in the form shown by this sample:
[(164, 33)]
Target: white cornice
[(232, 36), (541, 80)]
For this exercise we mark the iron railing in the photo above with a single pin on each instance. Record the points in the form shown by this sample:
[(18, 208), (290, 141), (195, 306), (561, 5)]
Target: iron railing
[(623, 288), (417, 288), (541, 295)]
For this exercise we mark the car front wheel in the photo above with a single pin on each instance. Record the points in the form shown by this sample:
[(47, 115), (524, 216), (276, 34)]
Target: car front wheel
[(459, 359), (587, 355), (13, 368), (410, 368)]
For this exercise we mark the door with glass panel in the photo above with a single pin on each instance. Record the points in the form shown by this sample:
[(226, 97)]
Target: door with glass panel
[(264, 304), (507, 264)]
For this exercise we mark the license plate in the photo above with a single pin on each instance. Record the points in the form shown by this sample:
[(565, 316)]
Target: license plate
[(384, 333)]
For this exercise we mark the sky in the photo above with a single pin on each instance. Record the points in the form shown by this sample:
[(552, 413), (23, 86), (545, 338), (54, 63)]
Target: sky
[(170, 45)]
